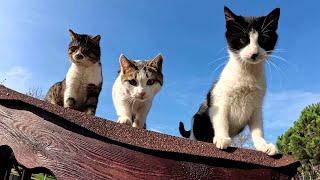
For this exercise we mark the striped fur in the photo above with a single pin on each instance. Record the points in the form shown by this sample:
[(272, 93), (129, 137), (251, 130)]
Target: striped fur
[(81, 88)]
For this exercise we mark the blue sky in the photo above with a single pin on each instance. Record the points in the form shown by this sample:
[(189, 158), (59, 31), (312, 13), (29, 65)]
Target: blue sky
[(189, 34)]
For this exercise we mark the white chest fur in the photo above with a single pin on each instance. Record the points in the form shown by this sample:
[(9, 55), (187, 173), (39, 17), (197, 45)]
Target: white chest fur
[(240, 90), (78, 77)]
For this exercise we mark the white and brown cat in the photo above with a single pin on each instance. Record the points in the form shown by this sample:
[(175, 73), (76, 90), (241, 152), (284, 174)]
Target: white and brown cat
[(235, 101), (134, 89)]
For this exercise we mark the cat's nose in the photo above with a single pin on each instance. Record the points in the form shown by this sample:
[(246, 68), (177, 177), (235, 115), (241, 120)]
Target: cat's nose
[(142, 94), (79, 56), (254, 56)]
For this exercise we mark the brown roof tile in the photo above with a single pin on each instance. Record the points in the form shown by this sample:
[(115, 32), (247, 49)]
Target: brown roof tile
[(143, 140)]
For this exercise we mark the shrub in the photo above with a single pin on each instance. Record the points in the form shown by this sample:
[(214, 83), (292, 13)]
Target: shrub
[(303, 141)]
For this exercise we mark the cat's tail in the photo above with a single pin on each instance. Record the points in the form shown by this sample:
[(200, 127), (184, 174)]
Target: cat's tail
[(183, 132)]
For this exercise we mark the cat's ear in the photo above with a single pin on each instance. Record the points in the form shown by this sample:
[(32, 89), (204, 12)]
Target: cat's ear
[(229, 15), (96, 39), (125, 64), (73, 35), (271, 20), (157, 62)]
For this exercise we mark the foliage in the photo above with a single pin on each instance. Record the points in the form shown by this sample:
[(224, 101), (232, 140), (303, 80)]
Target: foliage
[(303, 141), (242, 140), (35, 92), (2, 81)]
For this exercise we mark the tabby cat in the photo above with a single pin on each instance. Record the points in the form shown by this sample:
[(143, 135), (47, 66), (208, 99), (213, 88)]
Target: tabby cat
[(81, 88)]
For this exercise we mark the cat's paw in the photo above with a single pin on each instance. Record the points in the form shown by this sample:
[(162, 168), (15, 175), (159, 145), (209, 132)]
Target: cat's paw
[(125, 120), (269, 149), (91, 111), (222, 142), (70, 103), (137, 125)]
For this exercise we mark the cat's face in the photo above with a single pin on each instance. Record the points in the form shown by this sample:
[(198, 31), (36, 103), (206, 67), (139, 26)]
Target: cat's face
[(141, 79), (84, 49), (251, 39)]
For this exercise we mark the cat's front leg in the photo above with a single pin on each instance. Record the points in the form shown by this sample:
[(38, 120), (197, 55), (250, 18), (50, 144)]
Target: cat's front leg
[(256, 128), (219, 118), (124, 113), (69, 100), (93, 92), (141, 116)]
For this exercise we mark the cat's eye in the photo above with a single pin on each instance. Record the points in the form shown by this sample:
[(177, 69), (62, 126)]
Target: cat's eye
[(133, 82), (150, 82), (73, 48), (243, 40)]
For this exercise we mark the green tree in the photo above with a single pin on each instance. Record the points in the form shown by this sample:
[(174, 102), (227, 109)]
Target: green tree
[(303, 141)]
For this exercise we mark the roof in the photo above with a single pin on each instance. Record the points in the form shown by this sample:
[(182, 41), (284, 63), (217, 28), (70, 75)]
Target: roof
[(98, 130)]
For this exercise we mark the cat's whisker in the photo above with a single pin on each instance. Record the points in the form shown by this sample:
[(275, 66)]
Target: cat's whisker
[(280, 58), (218, 59), (264, 20), (280, 71), (275, 51), (269, 30), (219, 66), (240, 27), (291, 64), (225, 47), (280, 49), (273, 65), (236, 26), (270, 71), (266, 35), (268, 24)]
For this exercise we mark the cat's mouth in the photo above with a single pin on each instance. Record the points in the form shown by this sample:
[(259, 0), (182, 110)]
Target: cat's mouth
[(141, 99), (254, 61), (83, 61), (257, 60)]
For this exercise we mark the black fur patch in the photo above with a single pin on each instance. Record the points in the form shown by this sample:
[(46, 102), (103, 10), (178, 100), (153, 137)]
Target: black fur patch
[(202, 126), (209, 97), (183, 132), (93, 92), (238, 28)]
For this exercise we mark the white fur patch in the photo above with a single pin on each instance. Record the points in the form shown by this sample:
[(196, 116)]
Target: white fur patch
[(77, 79), (127, 101), (237, 99)]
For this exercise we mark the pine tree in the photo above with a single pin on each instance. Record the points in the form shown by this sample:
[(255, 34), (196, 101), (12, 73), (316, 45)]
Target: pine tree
[(303, 141)]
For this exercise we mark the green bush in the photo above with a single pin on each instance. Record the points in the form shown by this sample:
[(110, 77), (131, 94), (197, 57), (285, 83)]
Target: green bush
[(303, 141)]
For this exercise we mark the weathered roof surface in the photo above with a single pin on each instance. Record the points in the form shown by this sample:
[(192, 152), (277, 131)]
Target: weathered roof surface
[(145, 141)]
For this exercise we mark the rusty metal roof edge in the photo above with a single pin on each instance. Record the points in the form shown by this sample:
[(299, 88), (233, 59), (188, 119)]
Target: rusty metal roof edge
[(147, 139)]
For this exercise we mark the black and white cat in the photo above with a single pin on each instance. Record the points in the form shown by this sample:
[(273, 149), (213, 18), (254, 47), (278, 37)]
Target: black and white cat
[(235, 101), (137, 84)]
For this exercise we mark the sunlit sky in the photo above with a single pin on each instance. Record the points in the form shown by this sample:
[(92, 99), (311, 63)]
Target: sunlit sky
[(189, 34)]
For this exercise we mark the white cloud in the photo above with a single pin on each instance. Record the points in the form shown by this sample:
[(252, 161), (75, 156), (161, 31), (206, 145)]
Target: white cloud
[(17, 78)]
